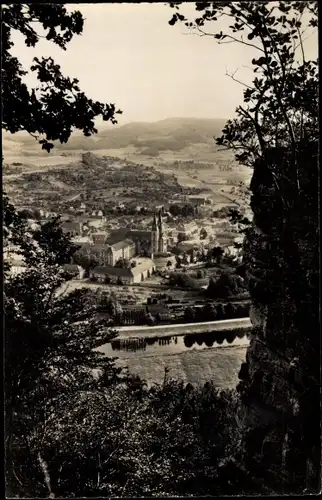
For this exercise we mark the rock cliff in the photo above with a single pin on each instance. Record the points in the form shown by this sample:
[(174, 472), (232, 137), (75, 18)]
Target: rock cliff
[(280, 381)]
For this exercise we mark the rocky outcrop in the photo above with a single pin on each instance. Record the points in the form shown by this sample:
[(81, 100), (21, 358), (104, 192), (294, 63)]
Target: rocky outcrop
[(280, 381)]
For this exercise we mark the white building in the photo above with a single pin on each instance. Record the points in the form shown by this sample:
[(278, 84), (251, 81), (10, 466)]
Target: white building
[(143, 270)]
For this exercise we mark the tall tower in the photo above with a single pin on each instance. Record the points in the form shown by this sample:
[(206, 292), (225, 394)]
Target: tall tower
[(154, 236), (161, 248), (154, 223)]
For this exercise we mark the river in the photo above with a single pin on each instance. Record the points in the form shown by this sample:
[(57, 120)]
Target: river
[(195, 358)]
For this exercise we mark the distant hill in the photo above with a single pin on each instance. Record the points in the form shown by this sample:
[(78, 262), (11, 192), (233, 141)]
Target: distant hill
[(173, 134)]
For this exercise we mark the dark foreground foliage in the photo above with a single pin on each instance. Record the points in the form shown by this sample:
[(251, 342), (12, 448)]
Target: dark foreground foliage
[(127, 440)]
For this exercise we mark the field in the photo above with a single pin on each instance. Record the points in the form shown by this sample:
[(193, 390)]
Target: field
[(99, 180), (137, 294), (221, 183), (159, 145)]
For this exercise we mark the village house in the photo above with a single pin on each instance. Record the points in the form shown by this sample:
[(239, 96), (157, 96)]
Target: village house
[(148, 242), (137, 274), (98, 238), (124, 249), (77, 271), (73, 228), (200, 200), (18, 266), (13, 257), (164, 263)]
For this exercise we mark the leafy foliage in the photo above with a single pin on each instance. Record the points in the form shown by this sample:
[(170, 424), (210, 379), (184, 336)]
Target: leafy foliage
[(87, 262), (284, 91), (182, 280), (128, 440), (57, 105), (225, 286), (276, 133), (123, 263), (49, 336)]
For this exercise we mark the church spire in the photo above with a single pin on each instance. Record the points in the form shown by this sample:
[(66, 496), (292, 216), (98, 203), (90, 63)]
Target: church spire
[(160, 223), (154, 223)]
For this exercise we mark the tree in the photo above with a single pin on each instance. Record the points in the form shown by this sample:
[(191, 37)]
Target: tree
[(225, 286), (156, 435), (84, 260), (200, 274), (182, 237), (185, 261), (112, 306), (203, 234), (44, 330), (220, 312), (189, 315), (123, 263), (217, 254), (231, 310), (272, 94), (27, 213), (50, 111), (209, 312), (280, 247), (182, 280)]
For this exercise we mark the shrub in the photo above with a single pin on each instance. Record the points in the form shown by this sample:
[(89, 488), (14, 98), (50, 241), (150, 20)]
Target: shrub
[(200, 274), (225, 286), (182, 280), (189, 315)]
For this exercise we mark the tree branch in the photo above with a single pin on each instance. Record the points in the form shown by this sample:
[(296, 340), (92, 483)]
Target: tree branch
[(232, 38), (300, 44), (256, 125), (232, 76), (277, 94), (44, 468)]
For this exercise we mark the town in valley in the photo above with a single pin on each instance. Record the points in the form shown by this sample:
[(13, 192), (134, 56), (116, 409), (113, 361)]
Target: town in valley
[(156, 241)]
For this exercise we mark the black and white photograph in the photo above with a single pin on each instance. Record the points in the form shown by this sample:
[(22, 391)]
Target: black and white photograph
[(161, 249)]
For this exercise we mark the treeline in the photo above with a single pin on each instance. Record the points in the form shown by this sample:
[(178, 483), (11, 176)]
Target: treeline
[(190, 314), (207, 338), (211, 338), (216, 312)]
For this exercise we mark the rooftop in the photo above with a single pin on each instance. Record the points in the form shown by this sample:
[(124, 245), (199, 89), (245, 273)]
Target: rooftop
[(122, 244), (117, 235), (142, 266), (71, 267), (99, 237), (71, 226), (140, 232), (122, 272)]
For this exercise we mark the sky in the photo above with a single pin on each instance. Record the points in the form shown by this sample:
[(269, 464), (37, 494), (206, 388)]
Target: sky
[(129, 55)]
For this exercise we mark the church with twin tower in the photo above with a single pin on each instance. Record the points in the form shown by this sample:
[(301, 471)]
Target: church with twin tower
[(136, 242), (159, 244)]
